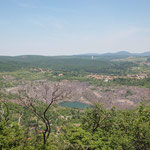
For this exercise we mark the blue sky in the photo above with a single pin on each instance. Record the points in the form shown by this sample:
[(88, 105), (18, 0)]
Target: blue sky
[(65, 27)]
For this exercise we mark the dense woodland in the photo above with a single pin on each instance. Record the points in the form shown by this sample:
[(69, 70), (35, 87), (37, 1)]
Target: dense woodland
[(94, 128), (67, 64), (32, 124)]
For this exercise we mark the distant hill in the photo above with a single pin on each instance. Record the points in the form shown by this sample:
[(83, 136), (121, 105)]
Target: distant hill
[(145, 54), (80, 63), (120, 53)]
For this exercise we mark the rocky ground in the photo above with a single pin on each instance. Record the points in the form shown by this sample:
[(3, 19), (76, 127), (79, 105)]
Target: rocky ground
[(122, 97)]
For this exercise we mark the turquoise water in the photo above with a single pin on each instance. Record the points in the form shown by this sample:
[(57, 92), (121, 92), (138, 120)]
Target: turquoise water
[(74, 104)]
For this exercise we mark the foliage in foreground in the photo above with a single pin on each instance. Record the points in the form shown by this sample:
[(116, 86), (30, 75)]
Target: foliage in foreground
[(99, 129), (112, 129)]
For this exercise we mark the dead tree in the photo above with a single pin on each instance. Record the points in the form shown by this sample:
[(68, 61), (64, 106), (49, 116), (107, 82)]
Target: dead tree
[(30, 102)]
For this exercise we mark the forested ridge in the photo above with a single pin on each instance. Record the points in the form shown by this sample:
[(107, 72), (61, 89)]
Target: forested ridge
[(62, 63)]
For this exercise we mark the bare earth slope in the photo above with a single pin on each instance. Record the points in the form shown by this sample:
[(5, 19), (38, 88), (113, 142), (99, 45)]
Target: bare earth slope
[(122, 97)]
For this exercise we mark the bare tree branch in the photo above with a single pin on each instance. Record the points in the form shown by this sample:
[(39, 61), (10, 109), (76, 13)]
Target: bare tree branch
[(30, 101)]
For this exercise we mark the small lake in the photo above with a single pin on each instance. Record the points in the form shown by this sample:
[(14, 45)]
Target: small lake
[(74, 104)]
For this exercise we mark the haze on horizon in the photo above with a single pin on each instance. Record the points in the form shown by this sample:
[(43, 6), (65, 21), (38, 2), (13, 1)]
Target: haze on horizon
[(66, 27)]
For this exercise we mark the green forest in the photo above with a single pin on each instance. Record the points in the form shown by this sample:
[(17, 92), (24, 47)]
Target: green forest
[(66, 64), (93, 128), (29, 123)]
